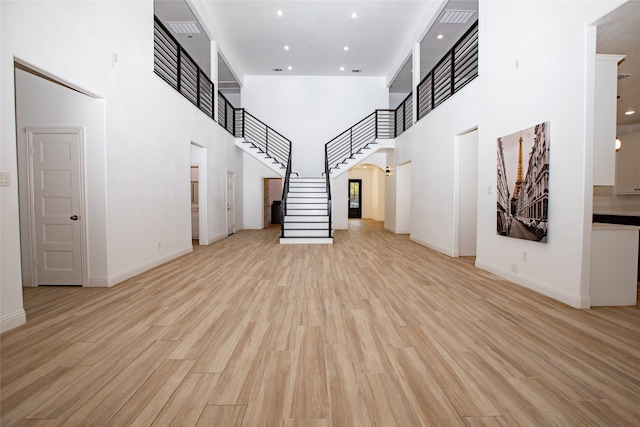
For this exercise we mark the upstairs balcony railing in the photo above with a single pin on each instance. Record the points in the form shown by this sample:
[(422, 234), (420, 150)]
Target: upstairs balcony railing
[(456, 69), (378, 125), (229, 117), (174, 65)]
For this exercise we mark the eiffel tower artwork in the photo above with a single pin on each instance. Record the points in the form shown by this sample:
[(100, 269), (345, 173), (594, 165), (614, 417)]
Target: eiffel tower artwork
[(523, 183)]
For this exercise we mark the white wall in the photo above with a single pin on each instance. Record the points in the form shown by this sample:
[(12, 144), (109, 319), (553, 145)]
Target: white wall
[(521, 86), (429, 146), (310, 111), (148, 132), (253, 189)]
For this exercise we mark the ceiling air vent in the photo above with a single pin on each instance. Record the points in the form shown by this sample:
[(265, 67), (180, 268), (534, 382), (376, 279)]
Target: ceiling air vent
[(452, 16), (183, 27), (356, 71), (277, 70)]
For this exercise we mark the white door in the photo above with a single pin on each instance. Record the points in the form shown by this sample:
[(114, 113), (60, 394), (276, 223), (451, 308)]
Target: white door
[(231, 224), (57, 214)]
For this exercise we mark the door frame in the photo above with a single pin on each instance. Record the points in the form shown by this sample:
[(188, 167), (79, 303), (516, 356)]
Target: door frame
[(230, 197), (359, 181), (30, 132)]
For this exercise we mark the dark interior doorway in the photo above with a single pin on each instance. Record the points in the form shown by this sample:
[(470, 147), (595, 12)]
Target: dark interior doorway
[(355, 198)]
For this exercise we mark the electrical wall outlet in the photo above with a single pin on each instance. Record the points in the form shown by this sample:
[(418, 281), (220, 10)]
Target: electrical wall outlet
[(514, 267)]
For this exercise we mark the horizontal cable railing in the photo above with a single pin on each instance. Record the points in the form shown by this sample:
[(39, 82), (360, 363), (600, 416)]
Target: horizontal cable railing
[(378, 125), (174, 65), (265, 139), (404, 115), (457, 68)]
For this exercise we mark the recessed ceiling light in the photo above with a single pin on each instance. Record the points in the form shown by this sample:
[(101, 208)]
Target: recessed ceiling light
[(630, 112), (289, 68), (346, 48), (286, 47), (354, 15), (440, 36), (341, 68), (279, 13)]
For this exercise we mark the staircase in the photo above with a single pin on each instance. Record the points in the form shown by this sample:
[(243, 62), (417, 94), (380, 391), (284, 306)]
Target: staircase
[(306, 218)]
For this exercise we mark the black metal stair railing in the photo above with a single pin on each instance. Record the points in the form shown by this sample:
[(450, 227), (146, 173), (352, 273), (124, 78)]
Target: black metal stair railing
[(266, 140), (241, 124), (378, 125)]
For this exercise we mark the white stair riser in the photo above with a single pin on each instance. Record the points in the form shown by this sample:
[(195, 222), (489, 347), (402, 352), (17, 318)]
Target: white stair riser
[(321, 190), (306, 218), (306, 233), (307, 200), (307, 185), (306, 225), (307, 212), (306, 205), (306, 241), (303, 179), (307, 196)]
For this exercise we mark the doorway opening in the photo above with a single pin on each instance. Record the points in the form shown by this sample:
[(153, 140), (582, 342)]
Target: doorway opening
[(467, 193), (272, 195), (198, 194)]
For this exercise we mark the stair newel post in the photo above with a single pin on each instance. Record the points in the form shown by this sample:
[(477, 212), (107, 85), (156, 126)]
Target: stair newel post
[(351, 142), (243, 121), (377, 111)]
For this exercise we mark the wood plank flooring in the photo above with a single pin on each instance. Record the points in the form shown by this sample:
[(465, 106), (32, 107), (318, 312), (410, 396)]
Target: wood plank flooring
[(373, 330)]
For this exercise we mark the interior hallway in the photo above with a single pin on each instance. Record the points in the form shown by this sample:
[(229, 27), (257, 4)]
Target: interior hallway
[(372, 330)]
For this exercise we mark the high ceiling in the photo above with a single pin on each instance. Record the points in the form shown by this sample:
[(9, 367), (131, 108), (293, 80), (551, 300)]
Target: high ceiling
[(251, 37)]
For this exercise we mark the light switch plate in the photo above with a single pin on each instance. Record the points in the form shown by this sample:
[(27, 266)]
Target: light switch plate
[(4, 179)]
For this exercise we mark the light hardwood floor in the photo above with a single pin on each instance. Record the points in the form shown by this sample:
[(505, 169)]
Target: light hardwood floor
[(373, 330)]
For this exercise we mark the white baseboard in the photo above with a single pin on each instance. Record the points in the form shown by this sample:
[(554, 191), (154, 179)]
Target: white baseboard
[(97, 282), (139, 269), (215, 239), (575, 301), (390, 229), (441, 249), (13, 320)]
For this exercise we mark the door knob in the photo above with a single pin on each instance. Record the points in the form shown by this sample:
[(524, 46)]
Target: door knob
[(74, 217)]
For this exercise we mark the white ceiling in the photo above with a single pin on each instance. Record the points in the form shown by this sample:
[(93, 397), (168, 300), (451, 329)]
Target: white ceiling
[(251, 38)]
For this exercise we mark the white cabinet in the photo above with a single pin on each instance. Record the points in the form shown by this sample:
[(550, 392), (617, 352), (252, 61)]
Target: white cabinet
[(628, 165), (614, 264)]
